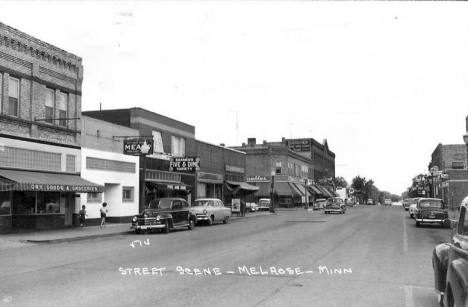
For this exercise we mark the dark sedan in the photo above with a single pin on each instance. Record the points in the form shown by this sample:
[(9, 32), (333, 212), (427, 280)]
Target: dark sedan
[(335, 205), (430, 210), (165, 214)]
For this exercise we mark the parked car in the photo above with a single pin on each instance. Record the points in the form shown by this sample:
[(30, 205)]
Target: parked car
[(211, 210), (430, 210), (412, 206), (164, 214), (335, 205), (251, 207), (370, 201), (406, 203), (320, 204), (449, 261), (388, 202), (264, 204)]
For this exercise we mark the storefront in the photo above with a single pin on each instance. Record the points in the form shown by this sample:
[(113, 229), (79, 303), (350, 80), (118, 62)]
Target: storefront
[(40, 200), (209, 185)]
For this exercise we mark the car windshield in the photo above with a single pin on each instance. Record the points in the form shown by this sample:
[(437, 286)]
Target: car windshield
[(165, 204), (430, 204), (264, 202), (203, 203)]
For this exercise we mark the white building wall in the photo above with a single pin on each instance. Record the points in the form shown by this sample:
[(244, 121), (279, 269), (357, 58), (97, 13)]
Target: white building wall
[(113, 182)]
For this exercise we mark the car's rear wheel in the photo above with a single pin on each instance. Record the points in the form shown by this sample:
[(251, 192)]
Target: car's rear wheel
[(225, 221)]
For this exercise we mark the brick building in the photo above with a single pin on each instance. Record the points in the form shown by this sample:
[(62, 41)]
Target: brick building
[(105, 164), (451, 160), (40, 133), (222, 174), (171, 138), (288, 169)]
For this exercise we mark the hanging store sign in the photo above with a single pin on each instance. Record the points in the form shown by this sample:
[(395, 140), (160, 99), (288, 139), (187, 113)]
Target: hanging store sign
[(210, 177), (65, 188), (234, 169), (138, 147), (187, 164)]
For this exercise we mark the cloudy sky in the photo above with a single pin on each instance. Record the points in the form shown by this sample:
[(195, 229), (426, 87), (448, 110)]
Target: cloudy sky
[(383, 82)]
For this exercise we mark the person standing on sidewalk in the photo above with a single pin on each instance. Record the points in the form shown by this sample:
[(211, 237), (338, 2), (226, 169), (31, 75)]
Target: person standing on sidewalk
[(83, 216), (103, 214)]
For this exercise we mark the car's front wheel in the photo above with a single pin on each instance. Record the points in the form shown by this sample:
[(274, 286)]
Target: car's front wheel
[(137, 231), (417, 224), (166, 229), (225, 221), (191, 225)]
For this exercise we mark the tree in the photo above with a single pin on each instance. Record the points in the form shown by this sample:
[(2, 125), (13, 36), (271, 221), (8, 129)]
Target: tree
[(340, 182), (358, 183)]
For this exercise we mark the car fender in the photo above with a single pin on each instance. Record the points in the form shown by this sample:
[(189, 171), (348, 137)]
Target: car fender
[(439, 264), (457, 277)]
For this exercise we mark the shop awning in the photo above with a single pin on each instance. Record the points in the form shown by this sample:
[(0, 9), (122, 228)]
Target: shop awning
[(264, 189), (315, 189), (331, 194), (299, 188), (283, 188), (12, 180), (295, 189), (234, 187), (324, 191)]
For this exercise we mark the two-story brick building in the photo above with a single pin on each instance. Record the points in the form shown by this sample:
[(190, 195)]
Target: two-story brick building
[(289, 170), (40, 133)]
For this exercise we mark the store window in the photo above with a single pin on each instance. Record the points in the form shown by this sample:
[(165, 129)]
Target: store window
[(49, 106), (127, 194), (63, 107), (48, 202), (24, 202), (13, 97), (94, 197), (5, 203), (177, 146)]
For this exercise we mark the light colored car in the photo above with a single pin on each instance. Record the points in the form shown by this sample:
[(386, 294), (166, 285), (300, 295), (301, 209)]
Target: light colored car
[(370, 201), (320, 203), (388, 202), (264, 204), (211, 210), (412, 207), (252, 207)]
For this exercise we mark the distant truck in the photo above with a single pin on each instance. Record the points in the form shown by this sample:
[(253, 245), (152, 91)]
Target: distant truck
[(450, 262)]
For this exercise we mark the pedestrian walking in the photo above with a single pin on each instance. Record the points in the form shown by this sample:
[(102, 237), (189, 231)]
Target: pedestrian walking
[(103, 214), (83, 216)]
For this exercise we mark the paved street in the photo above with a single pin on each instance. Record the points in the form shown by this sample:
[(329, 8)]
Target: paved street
[(370, 256)]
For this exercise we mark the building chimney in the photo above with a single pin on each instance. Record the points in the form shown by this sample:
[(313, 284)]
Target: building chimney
[(243, 144), (252, 142), (222, 144), (264, 142)]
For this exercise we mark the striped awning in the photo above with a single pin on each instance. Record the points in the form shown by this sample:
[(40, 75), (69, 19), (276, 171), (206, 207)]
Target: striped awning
[(13, 180), (315, 189), (296, 190)]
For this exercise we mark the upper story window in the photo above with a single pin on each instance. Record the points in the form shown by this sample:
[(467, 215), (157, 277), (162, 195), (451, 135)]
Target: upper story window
[(278, 167), (13, 97), (178, 146), (157, 142), (63, 107), (49, 106), (458, 165)]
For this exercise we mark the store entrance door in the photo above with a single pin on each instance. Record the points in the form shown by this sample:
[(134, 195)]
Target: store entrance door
[(69, 208)]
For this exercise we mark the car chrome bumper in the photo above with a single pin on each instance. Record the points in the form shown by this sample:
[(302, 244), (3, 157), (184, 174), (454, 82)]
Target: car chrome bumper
[(429, 220), (202, 217), (146, 227)]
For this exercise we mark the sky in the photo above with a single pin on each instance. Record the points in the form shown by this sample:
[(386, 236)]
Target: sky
[(383, 82)]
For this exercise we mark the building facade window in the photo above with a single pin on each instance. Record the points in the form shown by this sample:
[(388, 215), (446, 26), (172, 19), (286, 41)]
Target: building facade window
[(178, 146), (49, 106), (127, 194), (5, 203), (94, 197), (278, 167), (157, 142), (290, 169), (458, 165), (13, 97), (63, 107)]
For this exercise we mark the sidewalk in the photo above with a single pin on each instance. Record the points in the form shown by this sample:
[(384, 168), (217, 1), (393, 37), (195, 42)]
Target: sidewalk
[(22, 239)]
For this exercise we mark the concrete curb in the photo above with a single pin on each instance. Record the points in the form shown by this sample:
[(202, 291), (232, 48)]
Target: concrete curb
[(82, 238)]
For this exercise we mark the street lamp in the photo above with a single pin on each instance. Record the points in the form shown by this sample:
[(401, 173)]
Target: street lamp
[(272, 191)]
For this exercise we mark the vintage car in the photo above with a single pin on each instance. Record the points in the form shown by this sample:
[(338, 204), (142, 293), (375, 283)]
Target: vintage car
[(370, 201), (251, 207), (335, 205), (412, 206), (164, 214), (388, 202), (210, 210), (264, 204), (320, 203), (406, 203), (430, 210), (450, 262)]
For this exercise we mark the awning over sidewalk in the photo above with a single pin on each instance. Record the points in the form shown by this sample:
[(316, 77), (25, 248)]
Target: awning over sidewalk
[(324, 191), (283, 189), (329, 192), (234, 187), (295, 189), (12, 180), (315, 189)]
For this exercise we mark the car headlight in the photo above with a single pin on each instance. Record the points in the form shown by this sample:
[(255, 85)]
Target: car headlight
[(145, 215), (204, 211), (134, 219), (158, 218)]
